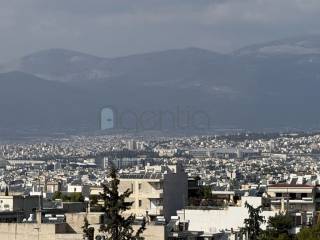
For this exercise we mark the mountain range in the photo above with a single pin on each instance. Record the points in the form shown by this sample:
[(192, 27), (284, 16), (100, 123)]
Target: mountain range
[(272, 85)]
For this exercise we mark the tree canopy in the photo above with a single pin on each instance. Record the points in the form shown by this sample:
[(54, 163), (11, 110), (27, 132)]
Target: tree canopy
[(309, 233), (253, 223), (115, 225)]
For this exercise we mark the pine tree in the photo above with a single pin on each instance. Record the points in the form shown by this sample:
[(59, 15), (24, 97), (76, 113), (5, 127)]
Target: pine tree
[(252, 224), (309, 233), (116, 226), (278, 227)]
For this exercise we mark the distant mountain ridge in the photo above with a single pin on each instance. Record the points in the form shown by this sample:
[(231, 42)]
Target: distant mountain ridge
[(271, 85), (292, 46), (67, 66), (60, 65)]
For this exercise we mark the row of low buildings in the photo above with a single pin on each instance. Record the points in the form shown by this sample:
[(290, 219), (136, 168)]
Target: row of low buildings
[(157, 192), (254, 170), (160, 195)]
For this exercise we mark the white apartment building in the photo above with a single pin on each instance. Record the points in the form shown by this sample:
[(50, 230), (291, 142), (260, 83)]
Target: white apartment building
[(292, 197), (226, 221), (297, 199), (156, 190)]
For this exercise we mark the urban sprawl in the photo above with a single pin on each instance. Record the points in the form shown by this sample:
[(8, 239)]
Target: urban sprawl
[(204, 187)]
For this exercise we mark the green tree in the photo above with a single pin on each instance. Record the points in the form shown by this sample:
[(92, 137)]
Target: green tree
[(116, 226), (278, 228), (207, 192), (309, 233), (280, 224), (252, 227), (57, 195), (283, 236), (269, 235), (73, 197), (94, 199), (76, 197)]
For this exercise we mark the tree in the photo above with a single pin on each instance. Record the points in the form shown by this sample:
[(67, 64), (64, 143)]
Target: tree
[(88, 232), (73, 197), (207, 192), (57, 195), (94, 199), (252, 224), (269, 235), (279, 226), (116, 226), (309, 233), (76, 197)]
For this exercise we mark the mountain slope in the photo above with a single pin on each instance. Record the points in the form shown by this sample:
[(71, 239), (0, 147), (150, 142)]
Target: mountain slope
[(251, 88), (291, 46), (60, 65), (28, 102)]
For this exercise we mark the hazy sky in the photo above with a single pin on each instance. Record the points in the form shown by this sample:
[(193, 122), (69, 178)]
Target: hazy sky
[(121, 27)]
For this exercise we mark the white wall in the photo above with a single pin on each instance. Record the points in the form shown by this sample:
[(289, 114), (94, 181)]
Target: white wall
[(74, 188), (212, 221)]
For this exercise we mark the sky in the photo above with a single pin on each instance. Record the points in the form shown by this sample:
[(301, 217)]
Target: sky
[(112, 28)]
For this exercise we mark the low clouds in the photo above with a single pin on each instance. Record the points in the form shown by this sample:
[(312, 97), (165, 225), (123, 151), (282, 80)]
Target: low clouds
[(265, 11), (121, 27)]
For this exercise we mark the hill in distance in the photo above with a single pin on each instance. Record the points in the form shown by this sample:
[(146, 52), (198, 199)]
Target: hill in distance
[(272, 85)]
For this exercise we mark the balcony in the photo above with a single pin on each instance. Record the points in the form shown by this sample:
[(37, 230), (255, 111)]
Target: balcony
[(310, 199), (156, 211), (277, 200), (153, 194)]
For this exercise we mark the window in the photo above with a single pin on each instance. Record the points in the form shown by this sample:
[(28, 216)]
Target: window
[(140, 186), (140, 203), (293, 196), (278, 194), (304, 195)]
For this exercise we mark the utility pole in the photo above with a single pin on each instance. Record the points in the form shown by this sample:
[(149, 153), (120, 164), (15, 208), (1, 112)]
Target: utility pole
[(287, 200)]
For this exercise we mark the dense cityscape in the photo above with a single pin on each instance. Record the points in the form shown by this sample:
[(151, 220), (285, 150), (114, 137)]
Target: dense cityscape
[(61, 181), (159, 120)]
